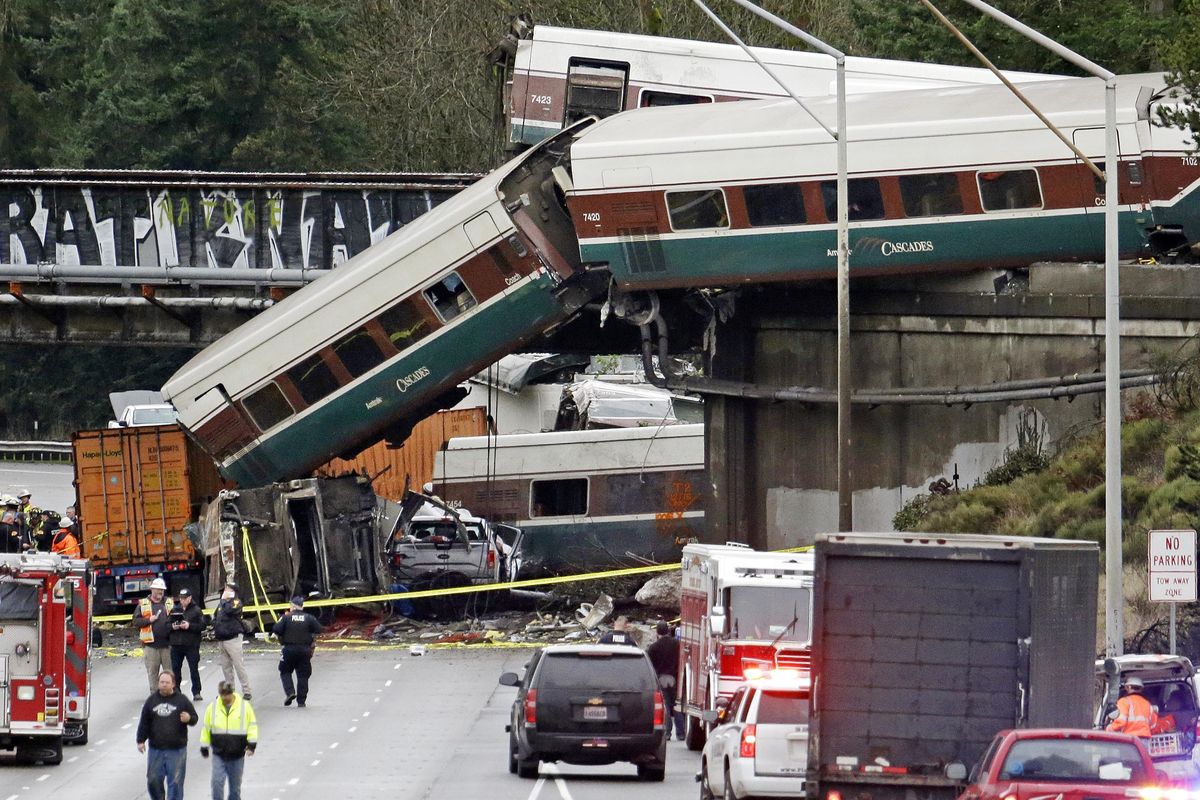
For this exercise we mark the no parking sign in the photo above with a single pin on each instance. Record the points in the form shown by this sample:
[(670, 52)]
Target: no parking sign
[(1172, 566)]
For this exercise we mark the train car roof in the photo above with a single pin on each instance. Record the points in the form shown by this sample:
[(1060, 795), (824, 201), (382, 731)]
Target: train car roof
[(692, 131), (287, 317), (860, 71)]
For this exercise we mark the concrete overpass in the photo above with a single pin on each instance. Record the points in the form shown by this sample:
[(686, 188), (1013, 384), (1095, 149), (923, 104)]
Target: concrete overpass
[(180, 258)]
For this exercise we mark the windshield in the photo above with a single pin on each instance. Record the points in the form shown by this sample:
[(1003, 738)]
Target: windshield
[(596, 672), (18, 601), (1073, 760), (155, 415), (783, 708), (770, 612)]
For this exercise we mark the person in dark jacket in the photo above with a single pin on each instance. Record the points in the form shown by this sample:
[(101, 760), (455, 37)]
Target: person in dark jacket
[(187, 623), (165, 718), (296, 631), (664, 655), (228, 631), (231, 729), (619, 634)]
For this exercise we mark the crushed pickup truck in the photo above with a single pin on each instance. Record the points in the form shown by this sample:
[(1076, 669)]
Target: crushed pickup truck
[(435, 546), (336, 538)]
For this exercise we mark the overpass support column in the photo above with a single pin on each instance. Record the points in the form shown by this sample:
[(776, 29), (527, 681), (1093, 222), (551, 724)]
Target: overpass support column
[(729, 442)]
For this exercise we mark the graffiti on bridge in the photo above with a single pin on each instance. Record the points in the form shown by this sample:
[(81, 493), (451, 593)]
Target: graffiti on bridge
[(213, 227)]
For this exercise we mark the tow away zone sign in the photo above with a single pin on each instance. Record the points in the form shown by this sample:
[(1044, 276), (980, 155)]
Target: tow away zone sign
[(1172, 566)]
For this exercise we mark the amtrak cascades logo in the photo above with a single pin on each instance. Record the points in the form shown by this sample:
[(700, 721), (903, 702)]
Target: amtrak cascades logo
[(405, 383), (891, 248)]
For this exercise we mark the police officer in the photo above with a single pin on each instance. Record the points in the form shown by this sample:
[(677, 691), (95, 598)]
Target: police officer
[(296, 631)]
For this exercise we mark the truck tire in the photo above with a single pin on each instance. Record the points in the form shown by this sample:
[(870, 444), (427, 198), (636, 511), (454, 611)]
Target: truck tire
[(695, 734), (47, 750), (652, 772), (79, 738), (527, 767), (512, 754)]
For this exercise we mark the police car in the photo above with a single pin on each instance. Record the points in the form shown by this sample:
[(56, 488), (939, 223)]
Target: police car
[(759, 746)]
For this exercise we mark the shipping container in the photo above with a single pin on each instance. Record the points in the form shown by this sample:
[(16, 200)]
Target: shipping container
[(394, 469), (926, 645), (139, 488)]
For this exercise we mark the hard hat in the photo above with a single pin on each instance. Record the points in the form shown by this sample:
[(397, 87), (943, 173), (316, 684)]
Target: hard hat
[(25, 493), (1134, 684), (9, 500), (158, 583), (65, 522)]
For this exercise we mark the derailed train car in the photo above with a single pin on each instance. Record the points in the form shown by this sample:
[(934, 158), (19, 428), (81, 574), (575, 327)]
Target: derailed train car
[(363, 353), (692, 196)]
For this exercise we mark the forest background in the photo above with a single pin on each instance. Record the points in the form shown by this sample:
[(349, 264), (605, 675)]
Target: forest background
[(397, 85)]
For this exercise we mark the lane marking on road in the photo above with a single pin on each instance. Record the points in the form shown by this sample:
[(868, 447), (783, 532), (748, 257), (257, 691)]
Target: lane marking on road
[(560, 783), (12, 797), (126, 726), (537, 788), (102, 741), (293, 781), (72, 759), (366, 713), (43, 777), (397, 666), (315, 763), (333, 746), (353, 728), (376, 700), (388, 682)]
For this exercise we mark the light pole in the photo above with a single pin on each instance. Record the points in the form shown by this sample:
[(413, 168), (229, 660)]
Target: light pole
[(1114, 632), (845, 490)]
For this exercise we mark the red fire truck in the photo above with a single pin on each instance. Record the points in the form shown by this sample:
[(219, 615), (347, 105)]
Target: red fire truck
[(740, 610), (45, 650)]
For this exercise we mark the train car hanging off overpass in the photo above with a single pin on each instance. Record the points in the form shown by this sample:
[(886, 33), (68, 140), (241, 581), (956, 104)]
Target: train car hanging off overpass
[(711, 196)]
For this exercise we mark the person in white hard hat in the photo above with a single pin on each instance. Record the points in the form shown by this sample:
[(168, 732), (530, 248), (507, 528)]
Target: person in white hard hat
[(152, 619)]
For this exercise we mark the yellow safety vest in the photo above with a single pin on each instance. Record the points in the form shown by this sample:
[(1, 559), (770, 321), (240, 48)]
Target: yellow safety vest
[(237, 720), (146, 611)]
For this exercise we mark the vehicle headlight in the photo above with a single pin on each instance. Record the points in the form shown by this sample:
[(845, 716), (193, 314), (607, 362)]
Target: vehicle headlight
[(25, 693)]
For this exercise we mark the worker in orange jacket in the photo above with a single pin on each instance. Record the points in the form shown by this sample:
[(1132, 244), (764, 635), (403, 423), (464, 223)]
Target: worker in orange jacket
[(1135, 715), (64, 541)]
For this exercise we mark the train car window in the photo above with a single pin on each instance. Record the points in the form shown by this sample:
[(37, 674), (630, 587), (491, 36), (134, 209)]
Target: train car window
[(268, 407), (404, 324), (774, 204), (594, 88), (313, 378), (1001, 191), (358, 352), (652, 98), (930, 195), (450, 297), (863, 196), (559, 498), (697, 210)]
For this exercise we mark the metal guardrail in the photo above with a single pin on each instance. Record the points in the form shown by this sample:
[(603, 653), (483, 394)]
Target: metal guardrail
[(34, 450)]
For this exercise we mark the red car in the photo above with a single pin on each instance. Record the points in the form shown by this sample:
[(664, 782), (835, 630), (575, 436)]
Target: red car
[(1061, 764)]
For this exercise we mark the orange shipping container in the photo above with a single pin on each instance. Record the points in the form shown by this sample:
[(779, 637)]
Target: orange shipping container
[(137, 488), (412, 462)]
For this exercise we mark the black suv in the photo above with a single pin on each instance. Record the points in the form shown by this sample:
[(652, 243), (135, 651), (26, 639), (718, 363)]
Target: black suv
[(587, 704)]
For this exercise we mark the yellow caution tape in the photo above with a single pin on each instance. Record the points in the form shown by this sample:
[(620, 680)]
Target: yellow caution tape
[(486, 587)]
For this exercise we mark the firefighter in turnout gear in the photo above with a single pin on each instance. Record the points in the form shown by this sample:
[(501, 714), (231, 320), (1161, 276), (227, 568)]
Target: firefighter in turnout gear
[(296, 631), (231, 730), (152, 619), (1134, 714)]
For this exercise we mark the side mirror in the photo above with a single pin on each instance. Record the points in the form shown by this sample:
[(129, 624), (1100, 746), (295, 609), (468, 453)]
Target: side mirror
[(716, 621), (510, 679), (956, 771), (710, 716)]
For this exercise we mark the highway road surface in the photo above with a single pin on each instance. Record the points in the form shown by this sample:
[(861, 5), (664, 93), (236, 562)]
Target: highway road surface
[(380, 723)]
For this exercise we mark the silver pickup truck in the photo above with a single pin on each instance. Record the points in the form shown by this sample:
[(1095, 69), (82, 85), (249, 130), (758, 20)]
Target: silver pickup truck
[(434, 546)]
